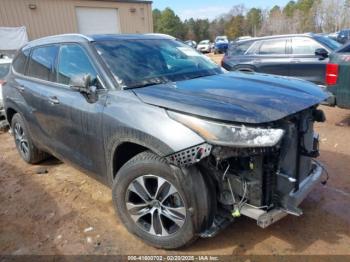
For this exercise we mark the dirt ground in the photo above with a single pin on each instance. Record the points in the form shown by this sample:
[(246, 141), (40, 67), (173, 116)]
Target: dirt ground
[(64, 211)]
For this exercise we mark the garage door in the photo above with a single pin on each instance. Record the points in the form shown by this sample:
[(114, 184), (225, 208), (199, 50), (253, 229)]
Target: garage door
[(97, 20)]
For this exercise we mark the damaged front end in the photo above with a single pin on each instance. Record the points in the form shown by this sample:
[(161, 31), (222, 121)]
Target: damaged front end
[(263, 171)]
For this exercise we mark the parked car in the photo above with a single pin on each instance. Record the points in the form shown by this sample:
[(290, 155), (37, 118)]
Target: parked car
[(191, 43), (5, 63), (185, 146), (343, 36), (204, 46), (302, 56), (338, 76), (221, 44)]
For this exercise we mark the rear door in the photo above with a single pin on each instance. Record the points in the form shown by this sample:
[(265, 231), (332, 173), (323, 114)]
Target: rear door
[(272, 57), (35, 89), (304, 63)]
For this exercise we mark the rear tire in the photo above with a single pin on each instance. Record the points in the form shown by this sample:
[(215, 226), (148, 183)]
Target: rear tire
[(24, 144), (172, 208)]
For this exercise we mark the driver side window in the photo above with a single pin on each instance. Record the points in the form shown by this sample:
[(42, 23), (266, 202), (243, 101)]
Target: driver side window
[(304, 46), (73, 61)]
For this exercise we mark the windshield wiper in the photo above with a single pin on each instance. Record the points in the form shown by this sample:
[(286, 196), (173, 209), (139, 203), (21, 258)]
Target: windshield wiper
[(149, 82)]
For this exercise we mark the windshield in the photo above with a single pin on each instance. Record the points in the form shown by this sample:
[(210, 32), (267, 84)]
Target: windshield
[(4, 69), (205, 42), (330, 43), (137, 63)]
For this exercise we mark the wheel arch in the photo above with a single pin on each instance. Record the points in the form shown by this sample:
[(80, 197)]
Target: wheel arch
[(127, 144), (245, 68), (10, 112)]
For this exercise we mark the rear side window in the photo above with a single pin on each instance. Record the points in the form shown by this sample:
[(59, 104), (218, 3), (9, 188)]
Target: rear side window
[(42, 61), (73, 61), (304, 46), (20, 62), (273, 47), (239, 49)]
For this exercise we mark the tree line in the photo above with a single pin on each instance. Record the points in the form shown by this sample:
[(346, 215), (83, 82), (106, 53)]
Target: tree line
[(319, 16)]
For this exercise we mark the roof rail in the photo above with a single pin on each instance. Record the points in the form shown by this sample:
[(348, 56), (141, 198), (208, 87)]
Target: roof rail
[(70, 34)]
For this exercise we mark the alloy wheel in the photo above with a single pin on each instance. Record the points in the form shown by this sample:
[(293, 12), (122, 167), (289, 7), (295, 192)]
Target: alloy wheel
[(21, 140), (155, 205)]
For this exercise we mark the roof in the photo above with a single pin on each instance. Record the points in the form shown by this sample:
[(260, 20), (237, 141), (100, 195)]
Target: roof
[(80, 38), (273, 36), (98, 38)]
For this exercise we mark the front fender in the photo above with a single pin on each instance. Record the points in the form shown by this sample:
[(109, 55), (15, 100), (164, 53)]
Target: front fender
[(127, 119)]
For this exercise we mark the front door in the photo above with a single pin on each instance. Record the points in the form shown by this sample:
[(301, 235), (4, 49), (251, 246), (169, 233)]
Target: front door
[(78, 129), (304, 63)]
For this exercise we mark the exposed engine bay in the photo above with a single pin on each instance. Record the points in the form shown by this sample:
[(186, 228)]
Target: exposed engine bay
[(264, 183)]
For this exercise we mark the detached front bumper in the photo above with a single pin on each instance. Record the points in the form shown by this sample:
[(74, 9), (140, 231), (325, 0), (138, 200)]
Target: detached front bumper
[(293, 200)]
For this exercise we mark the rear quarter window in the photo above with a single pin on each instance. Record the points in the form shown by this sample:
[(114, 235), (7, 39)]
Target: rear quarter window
[(19, 64)]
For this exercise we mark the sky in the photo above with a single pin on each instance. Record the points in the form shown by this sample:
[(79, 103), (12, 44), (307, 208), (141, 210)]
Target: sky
[(210, 8)]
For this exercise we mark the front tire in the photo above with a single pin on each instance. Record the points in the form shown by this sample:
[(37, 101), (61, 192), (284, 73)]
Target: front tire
[(156, 204), (24, 143)]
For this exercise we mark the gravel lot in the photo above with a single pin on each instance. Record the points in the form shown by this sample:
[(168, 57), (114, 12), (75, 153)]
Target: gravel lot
[(66, 212)]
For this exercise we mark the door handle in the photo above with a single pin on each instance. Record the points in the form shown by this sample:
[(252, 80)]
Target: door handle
[(53, 100)]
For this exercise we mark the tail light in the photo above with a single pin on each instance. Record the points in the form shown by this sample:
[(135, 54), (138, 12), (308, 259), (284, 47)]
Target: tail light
[(332, 73)]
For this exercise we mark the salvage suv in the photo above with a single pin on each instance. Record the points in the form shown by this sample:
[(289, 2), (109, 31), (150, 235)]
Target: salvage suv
[(185, 146)]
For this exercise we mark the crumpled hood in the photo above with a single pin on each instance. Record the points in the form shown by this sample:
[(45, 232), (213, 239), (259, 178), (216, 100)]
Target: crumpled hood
[(235, 97)]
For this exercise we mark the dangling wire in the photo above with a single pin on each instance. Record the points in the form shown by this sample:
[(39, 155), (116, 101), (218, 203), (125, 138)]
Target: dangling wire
[(229, 183)]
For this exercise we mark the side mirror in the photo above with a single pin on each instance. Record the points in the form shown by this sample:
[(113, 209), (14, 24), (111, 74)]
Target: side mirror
[(82, 84), (321, 53)]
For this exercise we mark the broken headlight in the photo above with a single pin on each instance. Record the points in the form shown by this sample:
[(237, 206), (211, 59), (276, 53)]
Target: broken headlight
[(230, 135)]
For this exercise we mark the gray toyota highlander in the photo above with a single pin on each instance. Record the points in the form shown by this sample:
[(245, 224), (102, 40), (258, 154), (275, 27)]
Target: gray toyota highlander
[(185, 146)]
